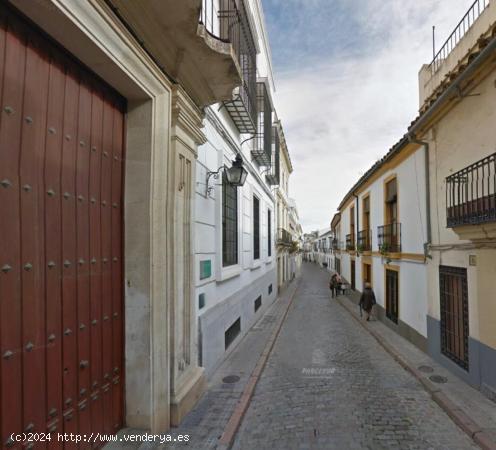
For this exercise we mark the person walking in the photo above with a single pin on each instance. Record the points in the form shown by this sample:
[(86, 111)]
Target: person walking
[(367, 300), (333, 285)]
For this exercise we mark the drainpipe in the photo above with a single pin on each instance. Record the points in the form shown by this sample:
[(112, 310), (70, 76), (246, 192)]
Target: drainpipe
[(412, 138)]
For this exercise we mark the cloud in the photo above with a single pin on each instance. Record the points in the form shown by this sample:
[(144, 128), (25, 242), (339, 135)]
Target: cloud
[(346, 76)]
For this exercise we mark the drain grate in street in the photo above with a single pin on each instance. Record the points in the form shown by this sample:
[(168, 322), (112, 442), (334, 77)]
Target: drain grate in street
[(230, 379), (438, 379), (426, 369)]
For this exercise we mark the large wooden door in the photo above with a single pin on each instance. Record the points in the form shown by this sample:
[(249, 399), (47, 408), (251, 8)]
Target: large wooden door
[(392, 295), (454, 314), (61, 164), (353, 274)]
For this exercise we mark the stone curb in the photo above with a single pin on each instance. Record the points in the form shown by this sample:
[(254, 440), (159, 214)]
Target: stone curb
[(457, 415), (227, 439)]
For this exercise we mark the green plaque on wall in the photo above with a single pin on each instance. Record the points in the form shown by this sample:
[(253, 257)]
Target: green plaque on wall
[(205, 269)]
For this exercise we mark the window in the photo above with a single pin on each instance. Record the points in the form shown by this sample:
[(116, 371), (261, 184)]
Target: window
[(454, 314), (229, 223), (270, 289), (258, 303), (352, 226), (364, 241), (232, 332), (366, 213), (256, 228), (392, 293), (367, 273), (337, 262), (391, 202), (269, 232)]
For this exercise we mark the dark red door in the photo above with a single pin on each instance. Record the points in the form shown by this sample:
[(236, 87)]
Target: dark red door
[(61, 164)]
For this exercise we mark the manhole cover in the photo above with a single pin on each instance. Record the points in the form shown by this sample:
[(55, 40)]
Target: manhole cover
[(438, 379), (230, 379), (426, 369)]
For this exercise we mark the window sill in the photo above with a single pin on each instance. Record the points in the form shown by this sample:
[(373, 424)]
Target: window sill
[(225, 273), (256, 264)]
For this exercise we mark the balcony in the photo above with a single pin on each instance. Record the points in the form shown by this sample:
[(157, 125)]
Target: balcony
[(364, 241), (284, 238), (202, 44), (262, 147), (243, 105), (350, 242), (389, 238), (466, 39), (274, 173), (471, 195), (458, 33)]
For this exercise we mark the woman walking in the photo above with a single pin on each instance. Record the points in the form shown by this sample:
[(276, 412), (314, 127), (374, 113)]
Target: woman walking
[(332, 285), (367, 300)]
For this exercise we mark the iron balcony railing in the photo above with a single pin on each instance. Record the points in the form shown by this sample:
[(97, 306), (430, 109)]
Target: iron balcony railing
[(262, 145), (227, 20), (389, 238), (364, 241), (471, 194), (350, 242), (460, 30), (284, 237)]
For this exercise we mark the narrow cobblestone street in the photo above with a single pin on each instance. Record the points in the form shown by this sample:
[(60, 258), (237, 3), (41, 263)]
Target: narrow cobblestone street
[(329, 385)]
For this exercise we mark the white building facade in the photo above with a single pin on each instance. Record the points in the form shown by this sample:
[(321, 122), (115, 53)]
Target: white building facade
[(284, 241), (235, 227), (322, 248), (420, 225), (380, 236), (456, 127), (296, 251)]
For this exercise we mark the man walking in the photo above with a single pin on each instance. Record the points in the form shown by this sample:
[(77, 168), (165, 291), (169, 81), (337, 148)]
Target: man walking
[(367, 300)]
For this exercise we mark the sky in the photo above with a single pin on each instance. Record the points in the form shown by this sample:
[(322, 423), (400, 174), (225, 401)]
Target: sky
[(346, 74)]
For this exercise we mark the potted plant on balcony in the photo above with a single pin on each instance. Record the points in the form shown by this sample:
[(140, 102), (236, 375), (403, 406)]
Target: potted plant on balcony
[(294, 247), (384, 248)]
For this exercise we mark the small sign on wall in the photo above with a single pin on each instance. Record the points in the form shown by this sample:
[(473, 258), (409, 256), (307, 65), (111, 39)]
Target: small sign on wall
[(472, 260), (205, 269)]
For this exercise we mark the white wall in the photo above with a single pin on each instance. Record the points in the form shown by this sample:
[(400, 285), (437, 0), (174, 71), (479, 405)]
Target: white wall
[(410, 175), (209, 226)]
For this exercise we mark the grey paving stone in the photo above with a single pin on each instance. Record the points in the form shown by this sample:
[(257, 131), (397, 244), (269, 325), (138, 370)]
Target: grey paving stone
[(329, 385)]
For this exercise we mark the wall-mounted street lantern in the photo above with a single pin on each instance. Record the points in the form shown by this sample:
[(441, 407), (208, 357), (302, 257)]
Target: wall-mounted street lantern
[(235, 175)]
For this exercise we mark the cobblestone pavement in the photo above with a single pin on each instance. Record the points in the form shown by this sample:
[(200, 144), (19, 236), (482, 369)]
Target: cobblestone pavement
[(206, 422), (329, 385)]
